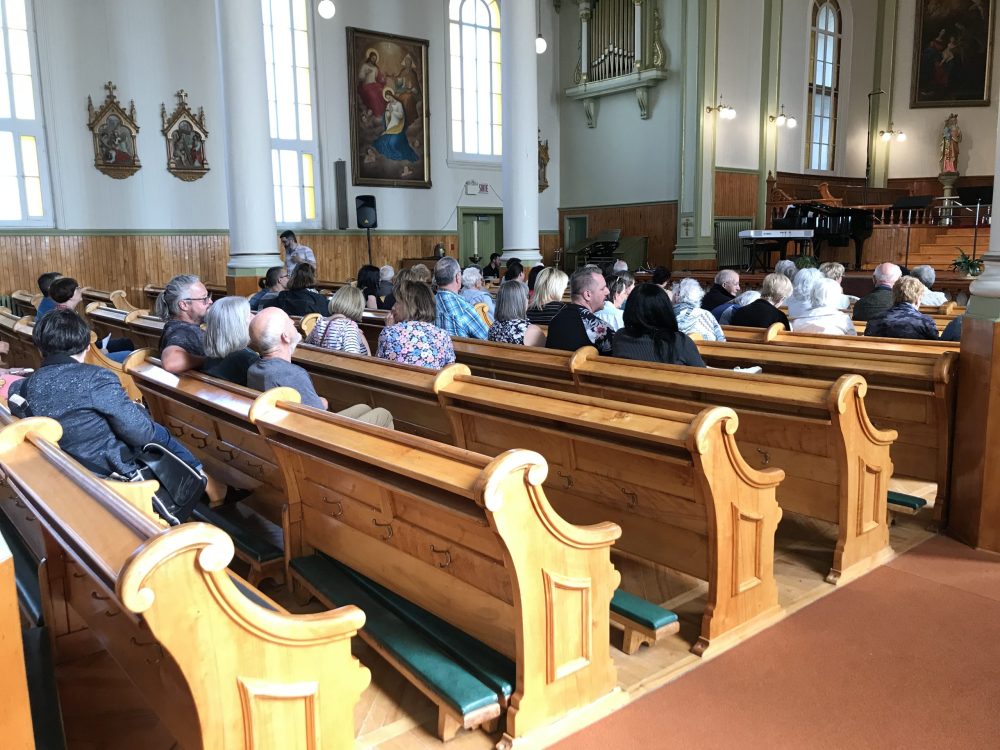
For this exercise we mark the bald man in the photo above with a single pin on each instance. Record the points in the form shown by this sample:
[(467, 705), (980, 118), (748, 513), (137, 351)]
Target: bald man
[(879, 300), (273, 335)]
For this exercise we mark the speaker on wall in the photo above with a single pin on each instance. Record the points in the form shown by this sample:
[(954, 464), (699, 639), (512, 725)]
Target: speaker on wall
[(340, 178), (367, 216)]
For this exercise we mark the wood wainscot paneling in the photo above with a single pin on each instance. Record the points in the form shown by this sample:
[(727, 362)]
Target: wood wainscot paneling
[(735, 193), (931, 186), (657, 221)]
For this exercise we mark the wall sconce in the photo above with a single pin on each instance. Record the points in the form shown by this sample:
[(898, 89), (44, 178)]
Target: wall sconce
[(888, 135), (326, 9), (725, 111), (782, 120)]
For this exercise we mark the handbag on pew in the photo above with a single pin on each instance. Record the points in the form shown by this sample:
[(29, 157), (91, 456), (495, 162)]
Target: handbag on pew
[(181, 487)]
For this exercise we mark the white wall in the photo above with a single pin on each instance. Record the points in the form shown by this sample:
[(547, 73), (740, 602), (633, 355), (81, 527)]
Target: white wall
[(152, 49), (919, 154), (624, 159), (741, 24)]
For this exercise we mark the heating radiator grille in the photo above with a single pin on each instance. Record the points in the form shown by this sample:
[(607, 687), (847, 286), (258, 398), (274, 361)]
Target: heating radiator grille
[(729, 251)]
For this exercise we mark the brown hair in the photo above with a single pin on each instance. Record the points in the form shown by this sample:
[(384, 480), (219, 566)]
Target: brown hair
[(415, 302), (421, 273), (303, 277)]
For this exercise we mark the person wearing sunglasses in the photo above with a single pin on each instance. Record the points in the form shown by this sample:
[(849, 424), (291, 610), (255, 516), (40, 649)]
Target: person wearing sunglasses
[(182, 304)]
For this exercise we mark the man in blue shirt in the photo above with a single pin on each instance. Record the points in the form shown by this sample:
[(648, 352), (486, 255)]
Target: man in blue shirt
[(454, 314), (44, 282)]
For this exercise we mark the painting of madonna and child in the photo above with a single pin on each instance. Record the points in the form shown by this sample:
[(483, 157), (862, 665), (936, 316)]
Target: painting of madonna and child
[(953, 47), (388, 105)]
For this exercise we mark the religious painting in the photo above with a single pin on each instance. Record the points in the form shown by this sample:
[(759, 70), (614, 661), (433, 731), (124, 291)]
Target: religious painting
[(952, 53), (114, 131), (387, 85), (185, 134)]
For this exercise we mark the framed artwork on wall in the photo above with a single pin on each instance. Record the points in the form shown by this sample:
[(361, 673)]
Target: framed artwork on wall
[(186, 135), (952, 53), (114, 131), (387, 90)]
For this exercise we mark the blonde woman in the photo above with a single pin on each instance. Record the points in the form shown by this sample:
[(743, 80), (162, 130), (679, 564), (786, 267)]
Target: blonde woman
[(339, 332), (550, 285)]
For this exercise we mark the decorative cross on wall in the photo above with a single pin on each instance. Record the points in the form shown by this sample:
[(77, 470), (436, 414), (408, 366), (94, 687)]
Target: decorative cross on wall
[(687, 224)]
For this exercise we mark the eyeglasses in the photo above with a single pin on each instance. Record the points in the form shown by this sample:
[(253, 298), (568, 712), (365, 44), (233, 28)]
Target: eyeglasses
[(198, 299)]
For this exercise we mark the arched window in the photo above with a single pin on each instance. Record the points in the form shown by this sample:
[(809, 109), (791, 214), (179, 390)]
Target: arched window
[(474, 75), (824, 79), (290, 106), (24, 190)]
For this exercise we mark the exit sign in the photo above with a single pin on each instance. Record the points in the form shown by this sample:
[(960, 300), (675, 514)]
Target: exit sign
[(484, 187)]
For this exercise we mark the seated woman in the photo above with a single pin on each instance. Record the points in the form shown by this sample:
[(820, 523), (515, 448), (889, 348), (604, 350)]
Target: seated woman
[(271, 285), (764, 312), (340, 332), (620, 286), (473, 292), (927, 277), (836, 271), (800, 300), (514, 272), (227, 336), (412, 338), (691, 318), (550, 285), (103, 428), (510, 325), (824, 315), (651, 333), (368, 282), (787, 268), (903, 320), (724, 312), (298, 298)]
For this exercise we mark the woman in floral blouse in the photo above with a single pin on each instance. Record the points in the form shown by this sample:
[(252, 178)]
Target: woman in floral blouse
[(340, 332), (511, 325), (412, 338)]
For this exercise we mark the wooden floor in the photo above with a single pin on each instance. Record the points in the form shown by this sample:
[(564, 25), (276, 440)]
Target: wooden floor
[(103, 711)]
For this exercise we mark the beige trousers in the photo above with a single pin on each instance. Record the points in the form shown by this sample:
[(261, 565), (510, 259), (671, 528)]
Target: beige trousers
[(364, 413)]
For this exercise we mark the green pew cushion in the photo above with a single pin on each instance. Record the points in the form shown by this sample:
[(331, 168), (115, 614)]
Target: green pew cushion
[(493, 668), (907, 501), (46, 716), (461, 690), (251, 593), (29, 593), (229, 519), (639, 610)]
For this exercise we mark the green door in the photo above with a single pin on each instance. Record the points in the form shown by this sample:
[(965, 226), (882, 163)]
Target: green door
[(480, 234)]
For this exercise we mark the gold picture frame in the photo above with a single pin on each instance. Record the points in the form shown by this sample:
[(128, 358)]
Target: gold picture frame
[(115, 136), (952, 54), (185, 136)]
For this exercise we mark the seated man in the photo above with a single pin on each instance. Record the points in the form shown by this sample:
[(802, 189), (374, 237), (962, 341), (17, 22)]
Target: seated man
[(879, 300), (927, 277), (182, 304), (454, 314), (385, 274), (725, 288), (576, 324), (903, 320), (472, 289), (44, 282), (492, 270), (273, 335)]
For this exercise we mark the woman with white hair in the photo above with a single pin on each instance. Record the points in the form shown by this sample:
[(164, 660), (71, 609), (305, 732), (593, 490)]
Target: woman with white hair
[(824, 316), (227, 339), (836, 271), (743, 299), (472, 289), (927, 277), (786, 268), (801, 299), (691, 317)]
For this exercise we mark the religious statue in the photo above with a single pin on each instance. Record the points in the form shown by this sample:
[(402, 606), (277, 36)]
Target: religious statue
[(951, 136), (543, 162)]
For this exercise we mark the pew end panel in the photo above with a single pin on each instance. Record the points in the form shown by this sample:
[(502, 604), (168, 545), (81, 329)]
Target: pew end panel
[(15, 715)]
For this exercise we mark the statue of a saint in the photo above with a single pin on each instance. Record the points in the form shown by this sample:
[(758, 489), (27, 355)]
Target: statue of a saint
[(951, 136)]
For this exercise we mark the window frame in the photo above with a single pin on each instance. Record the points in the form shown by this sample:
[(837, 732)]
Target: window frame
[(34, 128), (300, 147), (462, 158), (833, 92)]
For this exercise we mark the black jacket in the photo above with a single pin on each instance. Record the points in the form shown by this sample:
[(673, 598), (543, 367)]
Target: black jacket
[(101, 426), (299, 302), (759, 314), (716, 296), (873, 304), (902, 321)]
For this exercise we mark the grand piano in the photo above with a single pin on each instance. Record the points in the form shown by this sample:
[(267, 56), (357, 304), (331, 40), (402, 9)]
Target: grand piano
[(832, 224)]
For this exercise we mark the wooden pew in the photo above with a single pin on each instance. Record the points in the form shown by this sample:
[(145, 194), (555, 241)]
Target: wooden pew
[(20, 352), (15, 712), (145, 331), (469, 539), (777, 334), (106, 320), (115, 299), (223, 666), (25, 302)]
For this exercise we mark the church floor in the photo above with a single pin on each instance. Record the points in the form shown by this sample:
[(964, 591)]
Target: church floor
[(101, 710)]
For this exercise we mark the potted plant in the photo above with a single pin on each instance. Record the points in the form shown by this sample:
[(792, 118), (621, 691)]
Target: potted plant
[(966, 265), (804, 261)]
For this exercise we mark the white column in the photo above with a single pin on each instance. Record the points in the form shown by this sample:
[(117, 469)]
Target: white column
[(252, 233), (987, 285), (519, 81)]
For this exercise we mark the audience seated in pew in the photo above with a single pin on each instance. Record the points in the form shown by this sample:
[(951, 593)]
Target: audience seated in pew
[(835, 271), (385, 274), (800, 300), (691, 316), (787, 268), (927, 276), (510, 324), (340, 332), (576, 324), (533, 278), (227, 355), (725, 288), (620, 286), (514, 272), (298, 297), (369, 281), (473, 292), (903, 320), (410, 335), (879, 300), (550, 285), (823, 315), (67, 294), (953, 331), (764, 312), (44, 282), (452, 312), (661, 277), (102, 428), (182, 306), (724, 313), (272, 283), (651, 333)]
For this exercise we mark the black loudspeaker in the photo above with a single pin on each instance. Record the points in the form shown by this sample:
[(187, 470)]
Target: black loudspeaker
[(367, 216), (340, 178)]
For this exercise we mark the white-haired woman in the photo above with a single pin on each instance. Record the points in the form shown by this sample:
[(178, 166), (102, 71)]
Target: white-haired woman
[(836, 271), (691, 317), (801, 299), (227, 338), (824, 316), (786, 268), (472, 289), (927, 277)]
